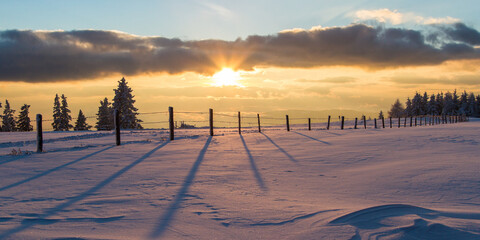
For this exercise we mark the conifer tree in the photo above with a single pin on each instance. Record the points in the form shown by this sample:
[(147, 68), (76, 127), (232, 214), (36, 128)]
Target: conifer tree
[(380, 114), (432, 106), (8, 120), (440, 100), (1, 117), (408, 108), (397, 110), (57, 114), (472, 106), (464, 104), (65, 117), (417, 108), (123, 102), (448, 104), (24, 119), (456, 102), (477, 104), (81, 123), (424, 105), (104, 116)]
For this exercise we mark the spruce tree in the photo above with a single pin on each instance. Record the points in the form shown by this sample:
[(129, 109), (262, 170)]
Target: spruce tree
[(397, 110), (380, 114), (456, 102), (65, 117), (477, 104), (104, 116), (24, 119), (8, 120), (440, 104), (123, 102), (417, 108), (464, 104), (1, 117), (472, 107), (81, 123), (432, 106), (424, 105), (57, 114), (448, 104), (408, 108)]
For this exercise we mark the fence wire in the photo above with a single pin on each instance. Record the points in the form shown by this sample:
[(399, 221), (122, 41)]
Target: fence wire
[(156, 127)]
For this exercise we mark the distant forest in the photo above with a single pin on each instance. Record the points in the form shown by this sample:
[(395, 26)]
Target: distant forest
[(437, 104)]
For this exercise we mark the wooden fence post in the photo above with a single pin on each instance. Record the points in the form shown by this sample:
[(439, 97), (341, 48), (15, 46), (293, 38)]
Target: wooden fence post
[(415, 121), (258, 118), (39, 134), (343, 121), (364, 122), (375, 121), (210, 111), (421, 118), (170, 121), (328, 123), (411, 120), (405, 122), (399, 120), (390, 122), (239, 124), (117, 126), (355, 127), (383, 122), (288, 124), (309, 124)]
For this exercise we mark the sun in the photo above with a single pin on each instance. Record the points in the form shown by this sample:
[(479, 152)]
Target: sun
[(226, 77)]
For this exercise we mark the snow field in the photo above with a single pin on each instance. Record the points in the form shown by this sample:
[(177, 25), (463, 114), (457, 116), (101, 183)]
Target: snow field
[(394, 183)]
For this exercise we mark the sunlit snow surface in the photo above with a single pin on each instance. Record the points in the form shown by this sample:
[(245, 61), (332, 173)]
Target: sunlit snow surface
[(392, 183)]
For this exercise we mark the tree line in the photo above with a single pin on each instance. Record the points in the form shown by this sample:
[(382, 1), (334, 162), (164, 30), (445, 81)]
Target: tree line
[(123, 101), (437, 104)]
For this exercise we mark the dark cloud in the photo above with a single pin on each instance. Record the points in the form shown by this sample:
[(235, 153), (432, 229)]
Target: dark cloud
[(468, 80), (40, 56)]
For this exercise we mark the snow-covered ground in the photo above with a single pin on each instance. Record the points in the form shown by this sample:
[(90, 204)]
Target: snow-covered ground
[(399, 183)]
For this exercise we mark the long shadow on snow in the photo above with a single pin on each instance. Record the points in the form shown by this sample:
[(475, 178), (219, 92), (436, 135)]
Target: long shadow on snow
[(76, 137), (167, 217), (13, 158), (52, 170), (281, 149), (318, 140), (258, 177), (81, 196)]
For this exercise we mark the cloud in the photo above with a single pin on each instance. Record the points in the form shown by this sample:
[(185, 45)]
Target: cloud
[(336, 80), (394, 17), (41, 56), (220, 10), (467, 80)]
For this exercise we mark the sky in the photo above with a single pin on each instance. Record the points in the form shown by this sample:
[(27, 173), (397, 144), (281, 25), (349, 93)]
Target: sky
[(250, 56)]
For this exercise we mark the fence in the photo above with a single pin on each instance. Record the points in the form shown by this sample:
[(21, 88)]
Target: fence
[(175, 124)]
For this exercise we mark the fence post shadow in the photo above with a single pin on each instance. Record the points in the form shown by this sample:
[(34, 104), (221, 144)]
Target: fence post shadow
[(281, 149), (167, 217), (256, 173), (52, 211), (318, 140), (52, 170), (13, 158)]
